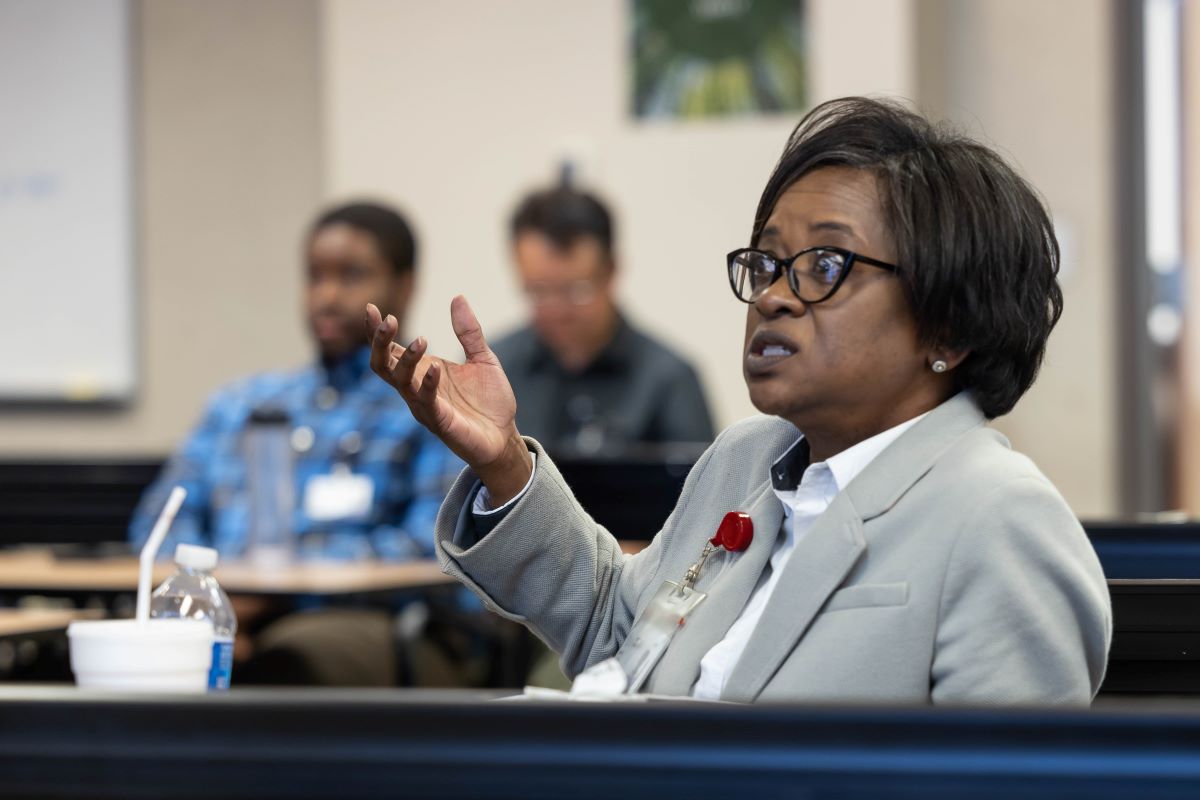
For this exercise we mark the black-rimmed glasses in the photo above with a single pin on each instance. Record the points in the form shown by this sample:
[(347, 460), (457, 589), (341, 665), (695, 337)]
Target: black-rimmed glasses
[(814, 274)]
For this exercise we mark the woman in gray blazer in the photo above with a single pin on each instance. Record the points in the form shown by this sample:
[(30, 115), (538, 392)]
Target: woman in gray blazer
[(901, 551)]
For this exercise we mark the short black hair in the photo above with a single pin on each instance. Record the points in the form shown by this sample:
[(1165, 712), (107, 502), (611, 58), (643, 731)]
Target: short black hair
[(391, 232), (975, 244), (564, 216)]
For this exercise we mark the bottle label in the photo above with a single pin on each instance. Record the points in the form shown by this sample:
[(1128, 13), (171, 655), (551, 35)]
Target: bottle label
[(222, 664)]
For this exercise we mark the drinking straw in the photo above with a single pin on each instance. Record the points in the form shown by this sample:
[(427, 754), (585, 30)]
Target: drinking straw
[(150, 551)]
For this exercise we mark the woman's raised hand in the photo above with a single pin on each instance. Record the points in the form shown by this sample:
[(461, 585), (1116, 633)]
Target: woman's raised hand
[(469, 406)]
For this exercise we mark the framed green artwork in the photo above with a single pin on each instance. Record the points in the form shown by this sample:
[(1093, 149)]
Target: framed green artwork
[(717, 58)]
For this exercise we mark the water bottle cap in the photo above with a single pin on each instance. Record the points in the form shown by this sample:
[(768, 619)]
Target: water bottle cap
[(195, 557)]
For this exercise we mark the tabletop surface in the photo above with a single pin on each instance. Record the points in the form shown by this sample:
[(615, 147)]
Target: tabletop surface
[(21, 621), (39, 570)]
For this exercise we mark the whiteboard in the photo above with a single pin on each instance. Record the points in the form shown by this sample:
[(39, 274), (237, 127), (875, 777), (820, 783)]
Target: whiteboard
[(67, 282)]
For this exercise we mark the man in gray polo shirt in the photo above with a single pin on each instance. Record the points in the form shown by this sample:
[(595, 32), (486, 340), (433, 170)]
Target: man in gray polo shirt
[(586, 381)]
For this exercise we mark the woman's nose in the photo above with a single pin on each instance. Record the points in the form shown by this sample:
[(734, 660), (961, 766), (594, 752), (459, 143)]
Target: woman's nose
[(779, 300)]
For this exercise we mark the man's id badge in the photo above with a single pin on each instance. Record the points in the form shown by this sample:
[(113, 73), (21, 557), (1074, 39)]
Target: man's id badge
[(653, 630), (343, 495)]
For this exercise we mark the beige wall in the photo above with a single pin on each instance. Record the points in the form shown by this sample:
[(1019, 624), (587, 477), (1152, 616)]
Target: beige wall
[(456, 108), (230, 166), (1033, 79), (255, 113)]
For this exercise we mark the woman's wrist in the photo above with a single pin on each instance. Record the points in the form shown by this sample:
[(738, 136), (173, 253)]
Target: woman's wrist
[(507, 475)]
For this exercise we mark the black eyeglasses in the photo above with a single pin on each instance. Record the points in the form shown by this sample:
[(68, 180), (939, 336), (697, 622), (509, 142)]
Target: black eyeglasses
[(813, 274)]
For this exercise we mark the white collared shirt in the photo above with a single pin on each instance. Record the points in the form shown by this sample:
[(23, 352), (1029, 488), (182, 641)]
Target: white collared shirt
[(802, 505)]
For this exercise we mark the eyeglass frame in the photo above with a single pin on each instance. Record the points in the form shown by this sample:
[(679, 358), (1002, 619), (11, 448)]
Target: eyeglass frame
[(786, 269)]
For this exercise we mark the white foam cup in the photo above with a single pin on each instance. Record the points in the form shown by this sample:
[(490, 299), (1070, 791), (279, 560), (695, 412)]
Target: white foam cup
[(159, 655)]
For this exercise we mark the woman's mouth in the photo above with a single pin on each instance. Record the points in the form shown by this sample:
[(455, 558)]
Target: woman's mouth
[(767, 350)]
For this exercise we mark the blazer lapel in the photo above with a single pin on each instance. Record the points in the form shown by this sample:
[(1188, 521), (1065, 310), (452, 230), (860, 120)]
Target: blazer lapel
[(824, 557), (818, 565), (894, 471), (728, 591)]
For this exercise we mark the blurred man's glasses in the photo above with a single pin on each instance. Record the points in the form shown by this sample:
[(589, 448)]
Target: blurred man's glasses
[(813, 274), (576, 293)]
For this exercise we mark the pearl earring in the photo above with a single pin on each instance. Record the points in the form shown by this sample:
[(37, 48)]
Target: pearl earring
[(939, 366)]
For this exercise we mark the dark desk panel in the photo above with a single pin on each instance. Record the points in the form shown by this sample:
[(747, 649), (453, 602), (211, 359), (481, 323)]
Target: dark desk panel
[(1154, 582), (1156, 637), (631, 494), (445, 745), (1146, 549), (89, 503), (70, 502)]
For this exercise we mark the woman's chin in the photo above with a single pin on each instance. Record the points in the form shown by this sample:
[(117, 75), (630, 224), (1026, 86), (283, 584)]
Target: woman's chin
[(768, 399)]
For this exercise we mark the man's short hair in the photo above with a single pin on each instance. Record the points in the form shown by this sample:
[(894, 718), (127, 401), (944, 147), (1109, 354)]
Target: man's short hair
[(385, 225), (564, 216)]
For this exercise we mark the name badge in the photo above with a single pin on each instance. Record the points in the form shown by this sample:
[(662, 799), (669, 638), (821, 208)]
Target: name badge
[(343, 495), (653, 630), (658, 623)]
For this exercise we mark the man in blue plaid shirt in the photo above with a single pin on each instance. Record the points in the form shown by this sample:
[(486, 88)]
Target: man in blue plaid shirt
[(342, 418), (348, 430)]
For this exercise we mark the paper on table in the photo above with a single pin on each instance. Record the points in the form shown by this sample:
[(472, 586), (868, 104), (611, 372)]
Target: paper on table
[(533, 694)]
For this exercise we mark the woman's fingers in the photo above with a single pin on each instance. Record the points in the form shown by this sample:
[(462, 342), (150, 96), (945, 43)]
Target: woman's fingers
[(372, 319), (404, 372), (390, 361), (381, 334), (467, 329), (427, 390), (408, 370)]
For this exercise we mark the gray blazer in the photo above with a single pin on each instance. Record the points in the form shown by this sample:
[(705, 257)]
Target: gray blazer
[(949, 571)]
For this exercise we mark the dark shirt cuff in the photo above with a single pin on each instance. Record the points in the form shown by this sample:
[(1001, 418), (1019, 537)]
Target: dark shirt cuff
[(476, 526)]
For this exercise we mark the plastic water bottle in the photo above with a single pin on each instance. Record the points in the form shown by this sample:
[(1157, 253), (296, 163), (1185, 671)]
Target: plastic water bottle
[(193, 593), (270, 482)]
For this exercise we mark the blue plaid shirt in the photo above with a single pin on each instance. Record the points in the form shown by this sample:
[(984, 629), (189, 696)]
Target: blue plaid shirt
[(341, 415)]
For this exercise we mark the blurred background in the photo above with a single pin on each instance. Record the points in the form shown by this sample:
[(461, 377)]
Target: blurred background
[(192, 143)]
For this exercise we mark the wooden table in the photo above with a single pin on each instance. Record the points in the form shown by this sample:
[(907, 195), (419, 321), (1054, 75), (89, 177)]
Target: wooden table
[(33, 571), (26, 621)]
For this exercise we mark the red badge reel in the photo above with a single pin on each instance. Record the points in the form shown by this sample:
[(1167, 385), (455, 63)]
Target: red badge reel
[(735, 533)]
